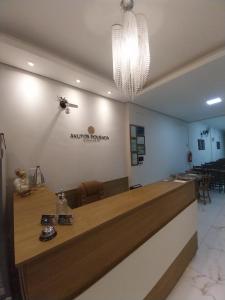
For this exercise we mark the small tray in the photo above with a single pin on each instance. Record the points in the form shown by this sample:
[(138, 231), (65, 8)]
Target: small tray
[(48, 220), (65, 219)]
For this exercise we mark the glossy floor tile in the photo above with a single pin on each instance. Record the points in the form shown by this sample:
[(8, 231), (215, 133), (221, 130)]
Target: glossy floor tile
[(204, 279)]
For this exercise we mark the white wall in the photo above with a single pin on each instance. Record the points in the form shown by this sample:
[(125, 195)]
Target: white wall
[(199, 156), (211, 153), (166, 145), (37, 132), (217, 136)]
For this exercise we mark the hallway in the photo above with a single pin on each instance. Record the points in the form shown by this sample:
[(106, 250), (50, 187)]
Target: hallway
[(205, 276)]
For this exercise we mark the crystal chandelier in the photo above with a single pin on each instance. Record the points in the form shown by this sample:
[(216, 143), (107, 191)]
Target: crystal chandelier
[(130, 49)]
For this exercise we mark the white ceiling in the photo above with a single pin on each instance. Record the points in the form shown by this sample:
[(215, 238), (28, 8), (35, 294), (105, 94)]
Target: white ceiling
[(180, 30), (185, 97), (71, 39)]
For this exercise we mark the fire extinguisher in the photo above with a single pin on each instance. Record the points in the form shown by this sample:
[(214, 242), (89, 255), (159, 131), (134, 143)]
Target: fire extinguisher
[(189, 156)]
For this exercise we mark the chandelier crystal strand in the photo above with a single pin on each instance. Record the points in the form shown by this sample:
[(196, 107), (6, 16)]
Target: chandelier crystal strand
[(116, 49), (131, 55), (144, 59)]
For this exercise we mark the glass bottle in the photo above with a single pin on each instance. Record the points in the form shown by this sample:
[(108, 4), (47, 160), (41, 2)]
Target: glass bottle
[(62, 205)]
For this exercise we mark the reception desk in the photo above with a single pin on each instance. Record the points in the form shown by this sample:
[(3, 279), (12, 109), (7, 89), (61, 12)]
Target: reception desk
[(134, 245)]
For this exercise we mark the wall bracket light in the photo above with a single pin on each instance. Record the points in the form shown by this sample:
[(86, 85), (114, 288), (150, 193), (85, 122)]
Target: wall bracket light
[(65, 105)]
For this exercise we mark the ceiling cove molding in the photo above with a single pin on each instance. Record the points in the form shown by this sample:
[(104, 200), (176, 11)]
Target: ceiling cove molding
[(16, 52), (222, 115), (19, 44), (66, 71), (197, 63)]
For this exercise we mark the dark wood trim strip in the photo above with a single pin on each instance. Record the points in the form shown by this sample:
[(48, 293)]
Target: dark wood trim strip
[(22, 284), (167, 282)]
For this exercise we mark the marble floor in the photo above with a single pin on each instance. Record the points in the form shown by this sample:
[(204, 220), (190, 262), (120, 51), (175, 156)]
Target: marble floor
[(204, 279)]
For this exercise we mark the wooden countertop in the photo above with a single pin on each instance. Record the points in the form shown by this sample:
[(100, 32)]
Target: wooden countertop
[(28, 211)]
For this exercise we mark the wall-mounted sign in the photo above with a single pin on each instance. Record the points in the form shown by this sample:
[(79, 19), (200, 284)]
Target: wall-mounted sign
[(137, 144), (90, 136), (201, 144)]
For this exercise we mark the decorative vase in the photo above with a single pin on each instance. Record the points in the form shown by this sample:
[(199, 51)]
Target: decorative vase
[(38, 178)]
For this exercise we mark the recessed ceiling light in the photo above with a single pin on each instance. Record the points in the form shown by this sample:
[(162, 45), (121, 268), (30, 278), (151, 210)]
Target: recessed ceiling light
[(78, 80), (109, 93), (214, 101), (30, 64)]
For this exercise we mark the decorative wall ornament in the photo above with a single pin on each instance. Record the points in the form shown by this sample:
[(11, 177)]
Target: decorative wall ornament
[(38, 177), (130, 50), (205, 132), (21, 183)]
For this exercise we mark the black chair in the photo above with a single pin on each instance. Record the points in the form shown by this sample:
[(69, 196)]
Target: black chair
[(204, 189)]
